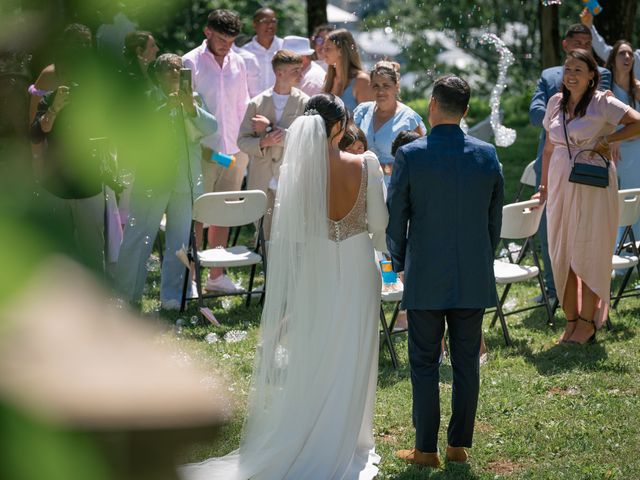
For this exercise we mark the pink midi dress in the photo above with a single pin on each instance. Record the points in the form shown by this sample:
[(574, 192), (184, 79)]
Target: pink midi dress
[(582, 220)]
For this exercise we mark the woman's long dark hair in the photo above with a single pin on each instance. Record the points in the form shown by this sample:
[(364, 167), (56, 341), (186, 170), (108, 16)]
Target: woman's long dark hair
[(581, 107), (611, 66), (132, 42)]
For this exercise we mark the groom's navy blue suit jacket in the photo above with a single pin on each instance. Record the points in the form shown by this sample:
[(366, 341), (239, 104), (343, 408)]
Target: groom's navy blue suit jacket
[(445, 214)]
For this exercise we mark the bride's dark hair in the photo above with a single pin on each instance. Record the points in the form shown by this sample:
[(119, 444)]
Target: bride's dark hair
[(330, 107)]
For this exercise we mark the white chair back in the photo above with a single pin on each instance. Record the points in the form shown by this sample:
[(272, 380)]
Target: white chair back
[(529, 175), (520, 220), (629, 202), (230, 209)]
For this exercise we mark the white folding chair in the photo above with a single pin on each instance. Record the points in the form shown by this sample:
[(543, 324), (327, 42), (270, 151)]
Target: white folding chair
[(528, 179), (629, 202), (520, 221), (228, 209)]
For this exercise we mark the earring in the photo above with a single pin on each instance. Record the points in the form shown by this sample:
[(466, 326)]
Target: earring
[(592, 83)]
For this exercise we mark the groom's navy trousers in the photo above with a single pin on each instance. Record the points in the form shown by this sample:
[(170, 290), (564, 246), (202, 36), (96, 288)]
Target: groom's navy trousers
[(426, 328), (445, 214)]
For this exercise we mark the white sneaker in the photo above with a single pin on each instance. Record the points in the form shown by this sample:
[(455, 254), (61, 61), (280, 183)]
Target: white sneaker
[(222, 284), (171, 305)]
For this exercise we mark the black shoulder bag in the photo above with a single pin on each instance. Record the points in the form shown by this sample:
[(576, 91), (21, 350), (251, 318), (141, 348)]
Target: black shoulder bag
[(586, 173)]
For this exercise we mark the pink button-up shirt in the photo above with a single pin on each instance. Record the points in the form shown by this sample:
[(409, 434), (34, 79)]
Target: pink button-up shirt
[(224, 92)]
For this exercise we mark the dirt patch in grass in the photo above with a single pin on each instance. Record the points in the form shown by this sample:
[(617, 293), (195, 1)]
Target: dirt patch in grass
[(482, 427), (390, 435), (503, 467), (563, 391)]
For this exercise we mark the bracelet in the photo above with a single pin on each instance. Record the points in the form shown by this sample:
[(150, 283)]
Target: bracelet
[(542, 188)]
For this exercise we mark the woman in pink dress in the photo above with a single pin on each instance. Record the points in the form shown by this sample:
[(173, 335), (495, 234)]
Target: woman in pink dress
[(582, 220)]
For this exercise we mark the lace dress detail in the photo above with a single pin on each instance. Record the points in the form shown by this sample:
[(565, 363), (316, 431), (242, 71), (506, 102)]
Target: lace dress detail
[(355, 221)]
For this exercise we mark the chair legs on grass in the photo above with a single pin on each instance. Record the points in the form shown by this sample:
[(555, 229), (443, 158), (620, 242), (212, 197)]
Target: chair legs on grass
[(387, 338)]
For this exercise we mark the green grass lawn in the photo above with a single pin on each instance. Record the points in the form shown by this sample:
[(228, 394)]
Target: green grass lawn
[(545, 411)]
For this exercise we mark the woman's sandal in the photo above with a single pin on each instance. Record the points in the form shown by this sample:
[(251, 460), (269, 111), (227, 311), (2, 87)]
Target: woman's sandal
[(591, 339), (573, 320)]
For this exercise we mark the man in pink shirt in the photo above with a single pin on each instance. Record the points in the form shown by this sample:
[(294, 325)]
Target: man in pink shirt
[(220, 77)]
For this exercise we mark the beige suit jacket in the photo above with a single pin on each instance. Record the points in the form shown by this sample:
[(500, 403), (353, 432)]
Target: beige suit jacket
[(264, 163)]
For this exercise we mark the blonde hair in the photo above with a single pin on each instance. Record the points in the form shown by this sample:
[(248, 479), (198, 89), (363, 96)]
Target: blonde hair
[(350, 63)]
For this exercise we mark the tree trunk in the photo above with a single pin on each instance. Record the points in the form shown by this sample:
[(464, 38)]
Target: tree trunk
[(549, 35), (617, 19), (316, 14)]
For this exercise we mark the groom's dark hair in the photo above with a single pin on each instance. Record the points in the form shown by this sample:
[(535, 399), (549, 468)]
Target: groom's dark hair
[(452, 94)]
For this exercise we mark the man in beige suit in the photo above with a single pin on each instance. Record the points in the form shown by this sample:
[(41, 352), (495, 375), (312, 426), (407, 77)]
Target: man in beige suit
[(267, 117)]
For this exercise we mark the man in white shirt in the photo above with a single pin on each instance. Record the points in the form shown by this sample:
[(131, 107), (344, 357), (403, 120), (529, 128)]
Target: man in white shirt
[(263, 129), (251, 65), (600, 45), (220, 77), (264, 45), (313, 75)]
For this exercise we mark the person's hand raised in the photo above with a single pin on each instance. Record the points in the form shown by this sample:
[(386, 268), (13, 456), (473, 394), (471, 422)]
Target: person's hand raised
[(61, 98), (188, 102), (586, 18)]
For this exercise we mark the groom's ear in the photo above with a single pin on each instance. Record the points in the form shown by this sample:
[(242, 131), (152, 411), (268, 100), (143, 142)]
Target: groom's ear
[(466, 111)]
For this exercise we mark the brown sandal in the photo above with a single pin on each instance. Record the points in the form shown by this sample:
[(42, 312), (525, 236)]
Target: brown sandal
[(591, 339), (572, 320)]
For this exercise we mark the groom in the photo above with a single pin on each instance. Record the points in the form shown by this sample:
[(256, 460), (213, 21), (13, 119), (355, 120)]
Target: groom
[(448, 189)]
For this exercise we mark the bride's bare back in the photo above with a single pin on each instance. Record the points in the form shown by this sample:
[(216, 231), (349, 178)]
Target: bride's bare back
[(345, 175)]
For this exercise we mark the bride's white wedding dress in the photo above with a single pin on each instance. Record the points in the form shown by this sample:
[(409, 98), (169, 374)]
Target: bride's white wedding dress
[(313, 387)]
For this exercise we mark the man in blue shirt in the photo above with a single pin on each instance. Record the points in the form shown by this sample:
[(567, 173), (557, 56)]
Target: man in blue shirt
[(447, 188), (550, 83)]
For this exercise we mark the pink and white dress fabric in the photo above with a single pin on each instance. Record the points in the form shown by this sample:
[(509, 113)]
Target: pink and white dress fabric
[(582, 220)]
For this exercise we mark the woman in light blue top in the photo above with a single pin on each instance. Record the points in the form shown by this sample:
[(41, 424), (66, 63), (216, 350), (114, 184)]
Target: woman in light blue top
[(626, 88), (383, 119), (345, 75)]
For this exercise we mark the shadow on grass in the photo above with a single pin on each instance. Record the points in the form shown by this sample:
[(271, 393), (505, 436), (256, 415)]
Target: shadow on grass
[(567, 358), (450, 471), (387, 375), (537, 320), (618, 333)]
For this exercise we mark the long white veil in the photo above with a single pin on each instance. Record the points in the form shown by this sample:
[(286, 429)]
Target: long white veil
[(288, 384)]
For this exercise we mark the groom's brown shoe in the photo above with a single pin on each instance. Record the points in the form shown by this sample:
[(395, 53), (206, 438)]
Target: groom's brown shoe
[(457, 454), (419, 458)]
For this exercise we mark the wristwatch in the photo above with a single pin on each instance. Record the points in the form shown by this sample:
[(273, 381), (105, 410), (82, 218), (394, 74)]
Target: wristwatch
[(269, 128)]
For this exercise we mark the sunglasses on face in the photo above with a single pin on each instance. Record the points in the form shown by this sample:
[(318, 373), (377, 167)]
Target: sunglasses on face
[(268, 20), (318, 40)]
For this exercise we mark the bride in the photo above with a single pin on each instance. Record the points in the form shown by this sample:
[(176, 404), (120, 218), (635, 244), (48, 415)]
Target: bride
[(312, 394)]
